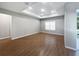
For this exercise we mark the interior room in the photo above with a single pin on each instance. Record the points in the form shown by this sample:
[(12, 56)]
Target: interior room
[(39, 28)]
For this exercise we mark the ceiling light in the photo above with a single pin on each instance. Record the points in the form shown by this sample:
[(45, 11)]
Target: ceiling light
[(42, 10), (29, 8)]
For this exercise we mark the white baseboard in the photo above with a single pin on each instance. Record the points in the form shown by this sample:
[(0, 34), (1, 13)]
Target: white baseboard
[(52, 33), (24, 36), (72, 48), (4, 38), (32, 34)]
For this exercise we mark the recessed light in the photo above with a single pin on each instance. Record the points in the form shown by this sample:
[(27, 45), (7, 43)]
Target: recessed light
[(42, 10), (29, 8)]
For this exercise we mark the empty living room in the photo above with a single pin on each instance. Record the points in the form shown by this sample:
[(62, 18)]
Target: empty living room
[(39, 28)]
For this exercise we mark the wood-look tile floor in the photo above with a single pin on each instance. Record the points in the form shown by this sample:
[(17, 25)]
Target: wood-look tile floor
[(40, 44)]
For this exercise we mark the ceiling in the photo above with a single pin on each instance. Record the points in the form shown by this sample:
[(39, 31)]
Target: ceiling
[(38, 9)]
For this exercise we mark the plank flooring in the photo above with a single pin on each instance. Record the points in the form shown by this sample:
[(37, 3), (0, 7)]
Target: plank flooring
[(40, 44)]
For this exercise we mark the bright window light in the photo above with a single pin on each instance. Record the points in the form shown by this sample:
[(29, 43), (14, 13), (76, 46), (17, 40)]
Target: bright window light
[(50, 25), (42, 10)]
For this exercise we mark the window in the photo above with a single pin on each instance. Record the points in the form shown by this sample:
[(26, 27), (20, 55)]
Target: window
[(50, 25)]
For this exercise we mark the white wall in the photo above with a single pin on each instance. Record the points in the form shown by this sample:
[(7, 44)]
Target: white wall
[(24, 26), (4, 26), (71, 25), (59, 25)]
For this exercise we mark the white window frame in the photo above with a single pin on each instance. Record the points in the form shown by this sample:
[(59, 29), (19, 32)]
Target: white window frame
[(50, 25)]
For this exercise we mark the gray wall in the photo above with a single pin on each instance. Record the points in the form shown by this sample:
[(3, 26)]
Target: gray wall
[(59, 25), (24, 26)]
